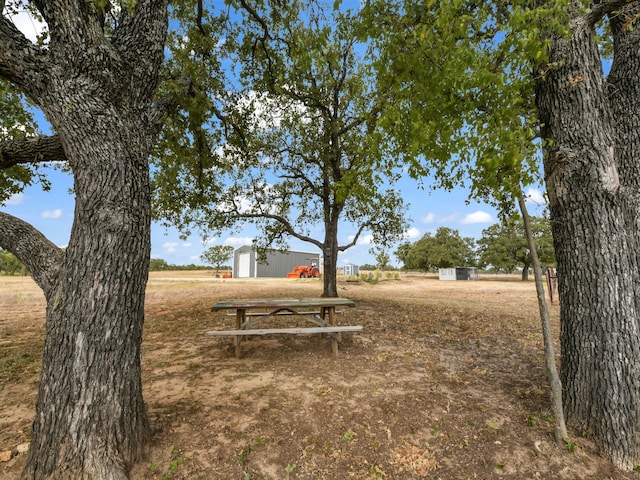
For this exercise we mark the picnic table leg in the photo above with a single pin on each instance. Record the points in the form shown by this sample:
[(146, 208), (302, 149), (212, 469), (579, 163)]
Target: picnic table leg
[(240, 317), (336, 336)]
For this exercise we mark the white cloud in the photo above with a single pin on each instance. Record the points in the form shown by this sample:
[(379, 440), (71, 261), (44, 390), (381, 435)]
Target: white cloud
[(238, 241), (428, 218), (366, 240), (363, 240), (16, 199), (57, 213), (477, 217), (412, 233), (533, 195), (169, 247), (186, 245), (433, 218)]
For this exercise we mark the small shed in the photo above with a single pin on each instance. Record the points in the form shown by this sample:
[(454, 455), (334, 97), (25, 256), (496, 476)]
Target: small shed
[(459, 273), (447, 274), (351, 270), (277, 263), (466, 273)]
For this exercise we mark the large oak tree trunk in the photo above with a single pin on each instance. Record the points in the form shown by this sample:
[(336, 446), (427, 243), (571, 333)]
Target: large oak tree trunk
[(623, 89), (597, 268), (96, 90), (90, 417), (330, 260)]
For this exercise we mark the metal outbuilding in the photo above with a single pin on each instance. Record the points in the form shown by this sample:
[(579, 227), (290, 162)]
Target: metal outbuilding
[(351, 270), (447, 274), (277, 263), (459, 273)]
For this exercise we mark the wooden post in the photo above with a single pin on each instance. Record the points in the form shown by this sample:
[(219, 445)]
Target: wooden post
[(551, 281), (240, 316), (336, 336)]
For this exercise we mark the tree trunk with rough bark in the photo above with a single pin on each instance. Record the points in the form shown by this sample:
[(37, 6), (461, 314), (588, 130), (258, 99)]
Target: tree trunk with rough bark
[(330, 260), (591, 193), (525, 272), (91, 420), (96, 91)]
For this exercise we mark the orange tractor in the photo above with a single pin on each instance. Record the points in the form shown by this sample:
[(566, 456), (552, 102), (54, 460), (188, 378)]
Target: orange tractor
[(304, 271)]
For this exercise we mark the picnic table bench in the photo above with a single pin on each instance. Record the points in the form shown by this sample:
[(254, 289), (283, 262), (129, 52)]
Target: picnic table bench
[(319, 311)]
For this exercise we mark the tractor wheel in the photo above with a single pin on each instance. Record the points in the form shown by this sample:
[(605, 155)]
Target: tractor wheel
[(303, 274), (314, 272)]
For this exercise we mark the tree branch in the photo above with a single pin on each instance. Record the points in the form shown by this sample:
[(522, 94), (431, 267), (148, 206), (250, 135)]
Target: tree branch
[(131, 37), (285, 223), (256, 16), (165, 105), (306, 99), (602, 8), (355, 238), (41, 257), (19, 59), (25, 150), (298, 175)]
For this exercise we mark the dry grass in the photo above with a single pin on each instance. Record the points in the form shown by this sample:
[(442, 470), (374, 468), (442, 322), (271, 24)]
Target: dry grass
[(445, 382)]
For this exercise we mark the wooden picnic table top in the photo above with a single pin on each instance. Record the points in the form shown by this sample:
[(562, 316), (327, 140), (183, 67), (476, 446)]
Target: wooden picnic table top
[(247, 303)]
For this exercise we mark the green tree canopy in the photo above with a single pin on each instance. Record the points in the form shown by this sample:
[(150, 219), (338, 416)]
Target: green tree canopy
[(445, 249), (158, 264), (402, 251), (504, 245), (382, 260), (217, 255), (299, 156), (17, 123), (9, 264), (463, 98)]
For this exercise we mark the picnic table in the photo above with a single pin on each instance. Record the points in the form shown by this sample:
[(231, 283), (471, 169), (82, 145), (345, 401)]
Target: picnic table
[(320, 311)]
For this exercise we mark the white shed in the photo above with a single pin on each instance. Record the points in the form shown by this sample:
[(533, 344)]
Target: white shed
[(447, 274), (459, 273), (351, 270)]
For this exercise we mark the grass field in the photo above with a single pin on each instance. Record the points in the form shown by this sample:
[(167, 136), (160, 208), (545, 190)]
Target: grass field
[(445, 382)]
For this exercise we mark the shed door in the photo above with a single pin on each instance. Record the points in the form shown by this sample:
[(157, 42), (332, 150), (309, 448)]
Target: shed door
[(244, 265)]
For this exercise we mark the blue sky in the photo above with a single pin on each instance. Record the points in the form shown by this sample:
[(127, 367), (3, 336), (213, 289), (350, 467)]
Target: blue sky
[(52, 213)]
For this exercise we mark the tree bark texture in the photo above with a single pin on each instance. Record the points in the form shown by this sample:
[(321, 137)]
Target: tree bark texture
[(330, 260), (96, 91), (590, 200), (90, 416)]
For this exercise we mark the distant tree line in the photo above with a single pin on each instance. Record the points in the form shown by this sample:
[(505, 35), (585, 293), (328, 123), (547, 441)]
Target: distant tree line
[(371, 267), (502, 248), (10, 265), (158, 264)]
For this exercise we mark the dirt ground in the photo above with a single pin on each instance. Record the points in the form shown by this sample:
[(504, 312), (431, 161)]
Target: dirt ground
[(446, 381)]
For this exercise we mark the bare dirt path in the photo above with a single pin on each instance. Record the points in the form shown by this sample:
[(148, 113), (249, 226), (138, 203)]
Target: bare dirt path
[(445, 382)]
